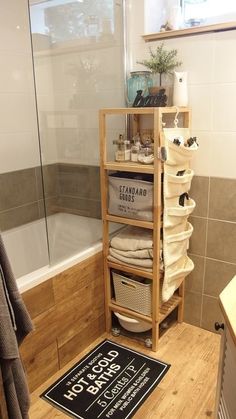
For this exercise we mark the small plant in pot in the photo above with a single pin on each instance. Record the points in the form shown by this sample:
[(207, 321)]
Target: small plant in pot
[(162, 62)]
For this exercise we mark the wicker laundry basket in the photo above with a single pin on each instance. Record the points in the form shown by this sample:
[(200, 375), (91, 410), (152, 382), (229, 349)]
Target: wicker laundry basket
[(133, 294)]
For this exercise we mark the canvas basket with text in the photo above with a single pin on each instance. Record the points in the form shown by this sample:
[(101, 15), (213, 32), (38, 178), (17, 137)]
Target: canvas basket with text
[(133, 294), (131, 195)]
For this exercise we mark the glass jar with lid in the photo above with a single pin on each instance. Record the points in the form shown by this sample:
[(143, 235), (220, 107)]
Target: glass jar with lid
[(122, 152), (138, 80), (146, 153)]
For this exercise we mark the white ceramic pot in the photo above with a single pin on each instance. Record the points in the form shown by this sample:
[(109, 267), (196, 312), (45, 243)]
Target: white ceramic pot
[(133, 325)]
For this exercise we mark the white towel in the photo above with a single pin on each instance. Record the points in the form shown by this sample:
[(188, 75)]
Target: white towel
[(136, 254), (133, 238), (147, 263), (115, 260)]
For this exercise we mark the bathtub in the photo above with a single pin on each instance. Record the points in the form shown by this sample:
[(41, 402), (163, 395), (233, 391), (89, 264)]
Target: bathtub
[(72, 239)]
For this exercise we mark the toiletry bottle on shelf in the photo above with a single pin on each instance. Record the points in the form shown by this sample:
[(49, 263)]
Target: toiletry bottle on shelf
[(146, 154), (180, 93), (135, 148), (127, 150), (122, 152)]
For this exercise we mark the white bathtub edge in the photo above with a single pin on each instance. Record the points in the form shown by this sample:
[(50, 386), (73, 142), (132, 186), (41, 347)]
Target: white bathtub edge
[(33, 279)]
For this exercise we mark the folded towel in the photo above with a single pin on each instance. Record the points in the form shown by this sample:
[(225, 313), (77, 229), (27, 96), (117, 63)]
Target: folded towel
[(147, 263), (115, 260), (133, 238), (136, 254)]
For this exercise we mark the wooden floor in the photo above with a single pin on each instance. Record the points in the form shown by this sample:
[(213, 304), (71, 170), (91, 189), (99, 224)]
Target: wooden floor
[(186, 392)]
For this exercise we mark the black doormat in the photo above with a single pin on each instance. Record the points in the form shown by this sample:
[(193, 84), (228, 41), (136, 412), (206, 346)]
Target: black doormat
[(112, 381)]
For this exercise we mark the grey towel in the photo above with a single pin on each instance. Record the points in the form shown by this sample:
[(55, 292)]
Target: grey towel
[(15, 324)]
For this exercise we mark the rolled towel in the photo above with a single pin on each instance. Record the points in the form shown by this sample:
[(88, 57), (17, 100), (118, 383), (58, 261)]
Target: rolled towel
[(147, 263), (133, 238), (136, 254), (115, 260)]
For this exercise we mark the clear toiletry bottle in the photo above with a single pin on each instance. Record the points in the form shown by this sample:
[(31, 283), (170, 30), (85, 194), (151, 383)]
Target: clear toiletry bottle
[(122, 152), (127, 150), (135, 148)]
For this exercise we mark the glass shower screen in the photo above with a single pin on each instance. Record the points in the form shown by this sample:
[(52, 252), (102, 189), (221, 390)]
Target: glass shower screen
[(78, 66)]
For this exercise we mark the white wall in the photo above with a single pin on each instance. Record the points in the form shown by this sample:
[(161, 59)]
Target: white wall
[(73, 83), (18, 128), (211, 64)]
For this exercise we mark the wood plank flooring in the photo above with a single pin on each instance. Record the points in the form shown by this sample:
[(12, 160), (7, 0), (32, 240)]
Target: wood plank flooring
[(186, 392)]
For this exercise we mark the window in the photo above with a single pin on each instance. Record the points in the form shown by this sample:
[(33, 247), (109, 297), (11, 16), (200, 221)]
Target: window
[(67, 20), (192, 14), (206, 12)]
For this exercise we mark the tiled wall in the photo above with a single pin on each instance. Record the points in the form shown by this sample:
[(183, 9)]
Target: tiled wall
[(211, 68), (79, 190), (67, 187), (73, 82), (212, 248), (19, 148), (19, 202)]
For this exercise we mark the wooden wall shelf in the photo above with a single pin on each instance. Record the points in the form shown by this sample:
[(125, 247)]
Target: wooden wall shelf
[(197, 30)]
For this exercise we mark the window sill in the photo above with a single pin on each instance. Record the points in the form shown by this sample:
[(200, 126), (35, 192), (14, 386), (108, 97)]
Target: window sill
[(190, 31)]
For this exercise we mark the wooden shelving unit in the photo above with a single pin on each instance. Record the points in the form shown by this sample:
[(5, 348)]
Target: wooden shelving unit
[(196, 30), (159, 311)]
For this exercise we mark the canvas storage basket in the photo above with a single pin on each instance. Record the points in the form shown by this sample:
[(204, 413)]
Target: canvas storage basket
[(176, 245), (174, 275), (177, 185), (131, 196), (175, 217), (178, 155), (133, 294)]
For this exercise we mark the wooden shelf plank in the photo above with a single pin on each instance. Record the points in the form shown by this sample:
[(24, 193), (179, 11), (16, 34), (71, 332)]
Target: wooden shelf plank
[(190, 31), (129, 221), (143, 111), (130, 269), (127, 111), (115, 307), (165, 309), (169, 306), (129, 167)]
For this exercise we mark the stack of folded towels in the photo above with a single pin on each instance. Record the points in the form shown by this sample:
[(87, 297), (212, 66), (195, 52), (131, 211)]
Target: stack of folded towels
[(133, 246)]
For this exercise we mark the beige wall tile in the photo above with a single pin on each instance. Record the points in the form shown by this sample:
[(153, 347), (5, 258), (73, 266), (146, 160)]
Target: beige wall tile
[(18, 151), (199, 192), (17, 188), (223, 116), (221, 160), (192, 308), (14, 31), (52, 206), (50, 180), (217, 276), (18, 216), (222, 204), (74, 180), (211, 313), (198, 239), (201, 160), (80, 206), (221, 241), (194, 281)]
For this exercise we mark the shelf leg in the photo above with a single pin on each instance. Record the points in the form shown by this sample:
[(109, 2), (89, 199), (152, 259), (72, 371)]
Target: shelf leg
[(108, 314), (181, 304), (155, 335)]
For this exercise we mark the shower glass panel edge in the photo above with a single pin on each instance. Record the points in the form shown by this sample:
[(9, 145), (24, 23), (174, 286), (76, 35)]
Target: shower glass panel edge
[(78, 53)]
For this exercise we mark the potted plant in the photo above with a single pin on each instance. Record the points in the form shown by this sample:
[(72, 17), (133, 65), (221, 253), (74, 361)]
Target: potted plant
[(162, 62)]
